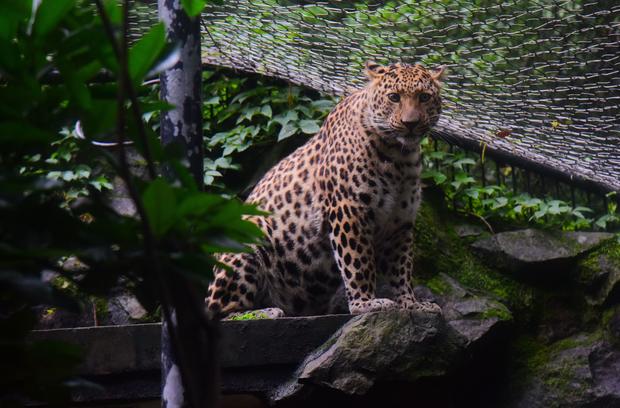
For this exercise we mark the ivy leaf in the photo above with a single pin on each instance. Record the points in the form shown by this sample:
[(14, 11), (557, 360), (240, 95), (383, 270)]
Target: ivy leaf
[(266, 111), (472, 193), (459, 163), (322, 104), (193, 7), (286, 117), (499, 203), (437, 176), (145, 52), (288, 130), (462, 179), (308, 126), (160, 205)]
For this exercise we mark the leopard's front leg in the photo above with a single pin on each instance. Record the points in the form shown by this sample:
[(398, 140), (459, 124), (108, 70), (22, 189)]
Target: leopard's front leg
[(349, 232), (396, 262)]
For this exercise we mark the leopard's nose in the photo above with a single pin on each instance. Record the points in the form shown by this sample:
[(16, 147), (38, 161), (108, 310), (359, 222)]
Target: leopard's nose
[(410, 124)]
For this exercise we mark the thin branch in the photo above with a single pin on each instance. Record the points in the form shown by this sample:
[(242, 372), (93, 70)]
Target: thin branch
[(124, 78), (481, 218)]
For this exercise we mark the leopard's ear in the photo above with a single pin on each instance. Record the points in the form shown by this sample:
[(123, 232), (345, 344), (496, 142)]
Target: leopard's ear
[(374, 70), (438, 74)]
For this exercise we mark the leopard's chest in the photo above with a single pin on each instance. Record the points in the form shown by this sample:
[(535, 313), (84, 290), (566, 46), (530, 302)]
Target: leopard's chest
[(397, 198)]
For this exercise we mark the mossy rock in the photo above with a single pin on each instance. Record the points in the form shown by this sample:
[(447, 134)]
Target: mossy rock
[(599, 274), (578, 371), (439, 249)]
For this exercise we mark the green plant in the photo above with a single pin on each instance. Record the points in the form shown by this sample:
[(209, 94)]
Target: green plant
[(454, 173), (178, 227), (63, 165), (249, 112)]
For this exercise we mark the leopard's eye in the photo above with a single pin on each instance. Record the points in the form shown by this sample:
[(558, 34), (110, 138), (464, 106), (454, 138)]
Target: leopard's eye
[(394, 97), (424, 97)]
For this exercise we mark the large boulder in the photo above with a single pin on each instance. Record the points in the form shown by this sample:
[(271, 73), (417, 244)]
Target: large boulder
[(399, 346), (580, 371), (474, 317), (532, 249), (599, 273)]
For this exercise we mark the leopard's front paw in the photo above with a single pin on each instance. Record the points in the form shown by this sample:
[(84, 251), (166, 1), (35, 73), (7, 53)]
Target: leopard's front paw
[(411, 304), (373, 305), (427, 307)]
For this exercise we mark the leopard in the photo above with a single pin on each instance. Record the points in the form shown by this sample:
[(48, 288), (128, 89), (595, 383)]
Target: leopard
[(341, 208)]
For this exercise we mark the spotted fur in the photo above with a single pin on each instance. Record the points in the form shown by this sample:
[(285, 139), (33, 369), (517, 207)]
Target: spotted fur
[(342, 206)]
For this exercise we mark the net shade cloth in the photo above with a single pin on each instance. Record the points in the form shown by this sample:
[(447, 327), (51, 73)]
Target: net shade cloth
[(535, 80)]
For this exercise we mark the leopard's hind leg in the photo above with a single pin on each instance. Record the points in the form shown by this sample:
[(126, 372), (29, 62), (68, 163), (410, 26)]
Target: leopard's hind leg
[(235, 290)]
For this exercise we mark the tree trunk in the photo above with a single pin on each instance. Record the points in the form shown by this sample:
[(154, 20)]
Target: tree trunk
[(181, 86), (189, 370)]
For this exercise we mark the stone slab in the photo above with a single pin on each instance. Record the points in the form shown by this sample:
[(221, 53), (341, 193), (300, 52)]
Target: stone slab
[(255, 355)]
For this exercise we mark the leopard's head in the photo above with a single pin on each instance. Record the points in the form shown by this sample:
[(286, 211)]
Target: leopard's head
[(404, 100)]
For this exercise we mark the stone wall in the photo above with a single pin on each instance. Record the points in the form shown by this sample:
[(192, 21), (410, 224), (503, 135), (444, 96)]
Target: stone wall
[(530, 319)]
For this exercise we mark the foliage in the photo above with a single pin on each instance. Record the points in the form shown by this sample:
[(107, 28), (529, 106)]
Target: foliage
[(49, 60), (455, 173), (63, 165), (243, 112)]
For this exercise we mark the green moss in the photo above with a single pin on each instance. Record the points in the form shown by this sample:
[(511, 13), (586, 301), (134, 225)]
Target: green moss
[(590, 265), (612, 250), (101, 307), (438, 248), (502, 313), (530, 354), (588, 269), (532, 357), (607, 316), (251, 315), (438, 285)]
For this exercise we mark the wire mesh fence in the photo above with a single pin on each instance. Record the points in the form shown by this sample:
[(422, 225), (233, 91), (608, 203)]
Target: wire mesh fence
[(532, 81)]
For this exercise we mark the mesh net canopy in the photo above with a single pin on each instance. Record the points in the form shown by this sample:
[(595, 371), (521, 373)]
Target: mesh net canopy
[(537, 80)]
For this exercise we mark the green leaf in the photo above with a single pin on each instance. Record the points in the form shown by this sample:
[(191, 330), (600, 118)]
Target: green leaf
[(21, 133), (248, 113), (266, 111), (459, 163), (288, 130), (12, 13), (309, 126), (193, 7), (114, 10), (214, 100), (145, 52), (160, 206), (198, 203), (539, 214), (49, 14), (286, 117), (322, 104), (499, 203), (472, 193), (438, 177)]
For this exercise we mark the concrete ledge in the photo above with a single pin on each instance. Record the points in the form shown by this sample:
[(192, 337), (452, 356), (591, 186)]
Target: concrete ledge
[(256, 355)]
